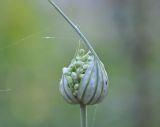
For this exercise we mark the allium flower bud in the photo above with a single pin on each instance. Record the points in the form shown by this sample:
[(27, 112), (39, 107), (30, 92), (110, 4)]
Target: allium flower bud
[(84, 81)]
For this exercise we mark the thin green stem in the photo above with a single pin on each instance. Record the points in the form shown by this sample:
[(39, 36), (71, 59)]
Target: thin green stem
[(83, 115), (86, 42)]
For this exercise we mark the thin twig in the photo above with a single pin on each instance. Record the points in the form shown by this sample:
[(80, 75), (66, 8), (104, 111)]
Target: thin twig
[(83, 115), (86, 42)]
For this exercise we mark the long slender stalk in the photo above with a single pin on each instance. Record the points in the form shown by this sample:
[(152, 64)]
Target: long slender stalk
[(83, 115), (86, 42)]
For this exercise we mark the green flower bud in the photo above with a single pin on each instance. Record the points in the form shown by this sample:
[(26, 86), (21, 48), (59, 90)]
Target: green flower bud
[(69, 81), (80, 70), (75, 93), (85, 66), (74, 76), (78, 58), (81, 52), (87, 83), (85, 57), (90, 58), (78, 64), (76, 86), (81, 76), (65, 70)]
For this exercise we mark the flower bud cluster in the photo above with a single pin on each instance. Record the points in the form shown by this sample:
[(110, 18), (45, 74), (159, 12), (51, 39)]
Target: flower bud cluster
[(76, 70), (85, 80)]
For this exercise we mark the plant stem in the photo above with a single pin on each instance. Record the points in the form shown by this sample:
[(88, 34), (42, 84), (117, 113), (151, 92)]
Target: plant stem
[(83, 115), (86, 42)]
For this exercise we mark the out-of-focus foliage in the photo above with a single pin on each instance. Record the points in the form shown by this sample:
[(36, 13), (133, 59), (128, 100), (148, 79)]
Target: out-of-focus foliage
[(35, 43)]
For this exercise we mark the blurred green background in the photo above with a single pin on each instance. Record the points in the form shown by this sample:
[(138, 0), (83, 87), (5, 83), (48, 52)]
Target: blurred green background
[(35, 43)]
